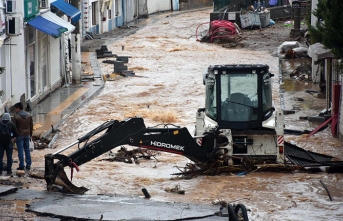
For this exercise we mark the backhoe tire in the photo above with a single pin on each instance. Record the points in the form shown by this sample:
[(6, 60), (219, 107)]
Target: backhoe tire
[(241, 212), (232, 213)]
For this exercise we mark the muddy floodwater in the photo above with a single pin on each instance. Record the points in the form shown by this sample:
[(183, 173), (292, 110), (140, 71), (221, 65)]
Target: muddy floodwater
[(170, 63)]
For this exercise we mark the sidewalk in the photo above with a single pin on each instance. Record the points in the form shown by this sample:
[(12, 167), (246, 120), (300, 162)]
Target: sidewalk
[(61, 103)]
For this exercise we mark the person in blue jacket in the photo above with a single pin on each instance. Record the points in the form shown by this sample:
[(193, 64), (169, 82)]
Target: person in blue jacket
[(272, 3)]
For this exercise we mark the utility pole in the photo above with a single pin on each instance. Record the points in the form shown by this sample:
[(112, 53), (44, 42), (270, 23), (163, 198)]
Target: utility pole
[(297, 6), (295, 32)]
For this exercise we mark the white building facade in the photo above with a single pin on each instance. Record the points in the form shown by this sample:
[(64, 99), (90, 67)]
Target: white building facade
[(99, 16), (36, 49)]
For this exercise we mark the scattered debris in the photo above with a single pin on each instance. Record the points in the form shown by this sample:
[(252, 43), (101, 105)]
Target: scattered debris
[(90, 36), (129, 26), (177, 189), (220, 202), (299, 52), (326, 190), (104, 52), (235, 42), (112, 77), (247, 165), (312, 91), (146, 193), (254, 18), (302, 73), (119, 68), (288, 45), (220, 31), (118, 75), (234, 212), (298, 99), (40, 142), (192, 169), (288, 112), (87, 77), (132, 156), (7, 190), (278, 168)]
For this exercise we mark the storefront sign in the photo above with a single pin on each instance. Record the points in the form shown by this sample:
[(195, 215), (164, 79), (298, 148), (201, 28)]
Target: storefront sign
[(31, 8), (301, 3)]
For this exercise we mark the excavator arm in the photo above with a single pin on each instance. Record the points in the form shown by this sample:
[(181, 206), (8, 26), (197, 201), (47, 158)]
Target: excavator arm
[(132, 132)]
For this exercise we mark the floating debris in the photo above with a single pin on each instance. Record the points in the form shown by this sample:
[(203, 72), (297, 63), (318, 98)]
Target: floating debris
[(177, 189), (302, 73), (132, 156), (40, 142)]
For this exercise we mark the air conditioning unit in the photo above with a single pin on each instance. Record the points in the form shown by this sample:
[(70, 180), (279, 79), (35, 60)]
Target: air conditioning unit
[(44, 4), (12, 26), (11, 6)]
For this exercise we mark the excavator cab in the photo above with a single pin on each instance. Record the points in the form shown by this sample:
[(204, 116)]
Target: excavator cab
[(239, 97)]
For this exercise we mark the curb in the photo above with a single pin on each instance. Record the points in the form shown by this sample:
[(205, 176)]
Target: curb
[(97, 74)]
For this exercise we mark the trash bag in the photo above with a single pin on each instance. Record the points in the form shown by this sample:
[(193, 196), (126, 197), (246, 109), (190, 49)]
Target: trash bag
[(32, 145), (288, 45)]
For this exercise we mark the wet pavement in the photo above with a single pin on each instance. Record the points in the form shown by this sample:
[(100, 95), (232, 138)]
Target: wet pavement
[(49, 113), (101, 207)]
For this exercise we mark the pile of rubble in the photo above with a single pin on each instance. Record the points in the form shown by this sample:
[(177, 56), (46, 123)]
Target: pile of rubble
[(120, 68), (302, 73), (131, 156)]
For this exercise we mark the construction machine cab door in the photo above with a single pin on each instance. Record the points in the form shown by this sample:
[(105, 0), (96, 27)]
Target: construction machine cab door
[(239, 96)]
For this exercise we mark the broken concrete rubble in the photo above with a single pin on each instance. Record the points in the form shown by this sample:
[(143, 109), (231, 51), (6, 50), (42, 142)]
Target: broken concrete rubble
[(5, 190), (104, 52), (120, 68)]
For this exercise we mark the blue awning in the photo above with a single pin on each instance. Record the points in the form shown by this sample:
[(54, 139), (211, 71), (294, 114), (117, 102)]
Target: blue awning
[(59, 21), (68, 9), (47, 26)]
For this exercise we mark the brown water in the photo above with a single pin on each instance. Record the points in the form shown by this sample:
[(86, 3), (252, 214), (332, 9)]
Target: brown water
[(172, 65)]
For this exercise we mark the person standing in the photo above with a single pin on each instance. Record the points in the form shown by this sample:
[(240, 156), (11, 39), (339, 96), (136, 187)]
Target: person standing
[(8, 134), (24, 124)]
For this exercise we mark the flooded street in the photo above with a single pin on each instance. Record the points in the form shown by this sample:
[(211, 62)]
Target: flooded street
[(170, 65)]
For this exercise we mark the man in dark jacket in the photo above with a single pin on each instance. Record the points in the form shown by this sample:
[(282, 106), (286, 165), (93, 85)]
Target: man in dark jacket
[(24, 124), (8, 133)]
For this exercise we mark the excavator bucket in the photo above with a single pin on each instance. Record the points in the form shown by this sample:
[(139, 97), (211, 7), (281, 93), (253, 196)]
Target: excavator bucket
[(68, 185), (55, 175)]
